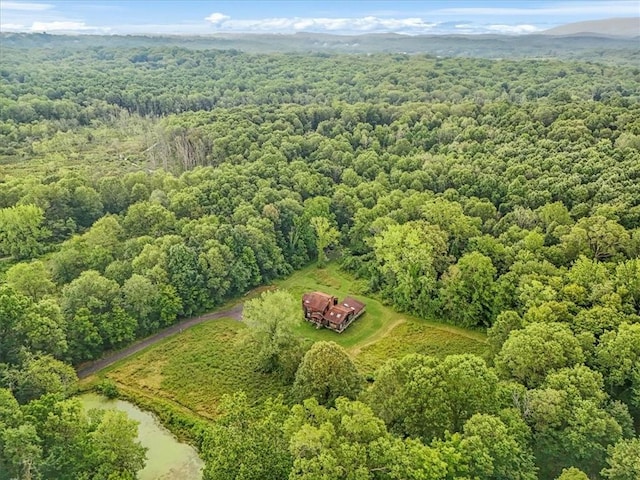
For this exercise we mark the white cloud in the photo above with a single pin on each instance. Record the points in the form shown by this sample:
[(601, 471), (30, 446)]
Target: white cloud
[(43, 17), (480, 28), (27, 7), (12, 27), (320, 24), (162, 29), (59, 26), (217, 17), (67, 27), (513, 29)]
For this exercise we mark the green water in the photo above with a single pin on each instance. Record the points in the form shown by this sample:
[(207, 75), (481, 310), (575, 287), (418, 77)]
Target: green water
[(167, 458)]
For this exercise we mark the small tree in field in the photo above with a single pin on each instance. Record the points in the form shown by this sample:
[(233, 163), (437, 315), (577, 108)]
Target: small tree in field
[(271, 318)]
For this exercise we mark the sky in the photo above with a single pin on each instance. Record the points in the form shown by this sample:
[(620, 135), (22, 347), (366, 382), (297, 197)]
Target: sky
[(204, 17)]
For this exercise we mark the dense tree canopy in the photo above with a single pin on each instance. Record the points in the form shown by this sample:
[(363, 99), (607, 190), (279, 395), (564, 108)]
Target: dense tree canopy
[(149, 180)]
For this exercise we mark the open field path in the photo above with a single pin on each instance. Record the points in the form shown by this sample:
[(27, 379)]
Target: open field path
[(355, 350), (90, 368)]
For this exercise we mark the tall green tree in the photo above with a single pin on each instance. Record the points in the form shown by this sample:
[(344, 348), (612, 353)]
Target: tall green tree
[(443, 395), (147, 218), (326, 235), (91, 291), (450, 217), (422, 396), (529, 354), (623, 460), (31, 279), (271, 319), (20, 453), (42, 329), (597, 237), (505, 323), (79, 445), (83, 336), (494, 452), (572, 473), (13, 307), (349, 441), (387, 396), (573, 421), (467, 295), (114, 451), (408, 258), (150, 304), (627, 281), (22, 231), (326, 373), (40, 375), (618, 357), (186, 276), (247, 443)]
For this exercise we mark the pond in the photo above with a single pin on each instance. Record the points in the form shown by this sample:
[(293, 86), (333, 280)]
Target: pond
[(167, 458)]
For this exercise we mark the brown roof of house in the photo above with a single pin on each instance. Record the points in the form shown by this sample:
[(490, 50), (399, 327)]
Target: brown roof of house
[(353, 303), (338, 313), (317, 301)]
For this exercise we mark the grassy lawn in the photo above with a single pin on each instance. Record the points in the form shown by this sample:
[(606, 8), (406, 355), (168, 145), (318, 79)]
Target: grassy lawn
[(331, 280), (415, 336), (196, 367), (381, 333)]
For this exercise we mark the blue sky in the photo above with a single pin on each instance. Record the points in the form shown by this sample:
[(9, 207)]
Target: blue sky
[(203, 17)]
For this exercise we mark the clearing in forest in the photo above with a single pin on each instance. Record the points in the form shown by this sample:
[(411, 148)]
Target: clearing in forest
[(194, 368)]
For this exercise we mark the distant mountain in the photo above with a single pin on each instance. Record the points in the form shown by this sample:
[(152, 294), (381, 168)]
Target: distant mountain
[(593, 47), (616, 27)]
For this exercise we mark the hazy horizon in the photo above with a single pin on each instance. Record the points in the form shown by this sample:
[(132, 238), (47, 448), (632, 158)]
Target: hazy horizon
[(289, 17)]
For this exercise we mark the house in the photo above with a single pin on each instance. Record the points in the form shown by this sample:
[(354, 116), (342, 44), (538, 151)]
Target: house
[(324, 310), (315, 305)]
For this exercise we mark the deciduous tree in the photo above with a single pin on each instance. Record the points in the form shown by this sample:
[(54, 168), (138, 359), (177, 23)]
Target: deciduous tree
[(31, 279), (623, 460), (326, 373), (326, 235), (22, 231), (618, 356), (467, 295), (407, 259), (271, 319), (529, 354)]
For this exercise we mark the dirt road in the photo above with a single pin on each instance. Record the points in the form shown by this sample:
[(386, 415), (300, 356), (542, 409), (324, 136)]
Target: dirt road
[(90, 368)]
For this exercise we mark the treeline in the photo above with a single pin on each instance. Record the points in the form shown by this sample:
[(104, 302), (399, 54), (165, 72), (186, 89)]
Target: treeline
[(488, 194), (582, 154), (80, 85)]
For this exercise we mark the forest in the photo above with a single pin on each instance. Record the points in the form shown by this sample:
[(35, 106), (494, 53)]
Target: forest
[(142, 184)]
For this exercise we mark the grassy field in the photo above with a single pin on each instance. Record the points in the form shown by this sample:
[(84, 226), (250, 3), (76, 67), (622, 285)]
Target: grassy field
[(417, 337), (196, 367), (381, 333)]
